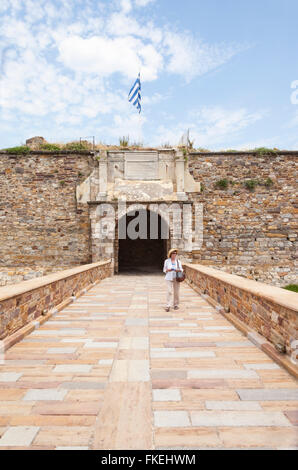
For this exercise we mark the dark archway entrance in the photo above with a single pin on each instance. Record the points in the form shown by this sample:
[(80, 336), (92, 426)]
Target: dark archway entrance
[(145, 254)]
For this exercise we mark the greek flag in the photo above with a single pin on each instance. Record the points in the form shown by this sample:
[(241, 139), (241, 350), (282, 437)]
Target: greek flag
[(134, 95)]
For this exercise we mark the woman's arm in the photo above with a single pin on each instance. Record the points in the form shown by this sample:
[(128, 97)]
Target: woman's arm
[(165, 266)]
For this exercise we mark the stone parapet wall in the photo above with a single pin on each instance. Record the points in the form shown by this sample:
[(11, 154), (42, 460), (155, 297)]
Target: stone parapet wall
[(270, 311), (13, 275), (22, 303), (275, 275)]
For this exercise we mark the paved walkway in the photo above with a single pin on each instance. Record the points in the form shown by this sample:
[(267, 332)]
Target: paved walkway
[(113, 370)]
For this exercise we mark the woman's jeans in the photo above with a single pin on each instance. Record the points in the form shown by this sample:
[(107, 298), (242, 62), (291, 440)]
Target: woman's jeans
[(173, 293)]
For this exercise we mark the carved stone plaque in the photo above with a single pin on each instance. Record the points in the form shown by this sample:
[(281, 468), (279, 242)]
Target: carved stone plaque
[(141, 166)]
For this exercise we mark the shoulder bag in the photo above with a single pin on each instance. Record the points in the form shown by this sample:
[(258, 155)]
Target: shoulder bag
[(180, 276)]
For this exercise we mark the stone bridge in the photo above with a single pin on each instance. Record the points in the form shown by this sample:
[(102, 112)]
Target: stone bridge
[(90, 360)]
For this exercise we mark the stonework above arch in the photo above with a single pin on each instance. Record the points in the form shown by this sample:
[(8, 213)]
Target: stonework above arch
[(147, 175)]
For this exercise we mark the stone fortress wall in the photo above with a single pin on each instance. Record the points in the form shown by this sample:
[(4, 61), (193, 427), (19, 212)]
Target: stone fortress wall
[(46, 221), (41, 223), (249, 233)]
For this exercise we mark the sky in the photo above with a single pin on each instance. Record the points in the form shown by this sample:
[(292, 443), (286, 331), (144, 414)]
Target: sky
[(226, 70)]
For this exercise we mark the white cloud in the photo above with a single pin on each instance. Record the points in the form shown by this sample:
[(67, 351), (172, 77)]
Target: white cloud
[(179, 53), (210, 126), (59, 59), (126, 124), (143, 3), (266, 142), (126, 5), (119, 24), (35, 11), (35, 87), (217, 121), (106, 56), (4, 5), (17, 33), (190, 58), (155, 98)]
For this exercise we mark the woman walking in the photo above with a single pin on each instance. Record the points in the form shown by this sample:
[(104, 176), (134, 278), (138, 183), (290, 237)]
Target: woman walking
[(171, 266)]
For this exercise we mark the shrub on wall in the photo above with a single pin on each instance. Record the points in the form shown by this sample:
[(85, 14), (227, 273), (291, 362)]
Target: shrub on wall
[(124, 141), (222, 184), (292, 287), (262, 151), (50, 147), (268, 182), (77, 146), (22, 149), (250, 184)]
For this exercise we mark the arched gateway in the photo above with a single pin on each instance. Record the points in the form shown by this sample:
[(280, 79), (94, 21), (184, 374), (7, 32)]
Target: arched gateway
[(144, 241), (140, 191)]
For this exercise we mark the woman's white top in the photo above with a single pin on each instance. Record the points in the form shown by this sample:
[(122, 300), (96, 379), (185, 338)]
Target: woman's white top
[(168, 264)]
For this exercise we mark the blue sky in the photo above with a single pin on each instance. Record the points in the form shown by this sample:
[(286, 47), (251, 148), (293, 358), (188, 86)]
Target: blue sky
[(222, 68)]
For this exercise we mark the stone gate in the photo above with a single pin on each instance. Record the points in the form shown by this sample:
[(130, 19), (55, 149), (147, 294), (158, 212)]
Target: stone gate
[(128, 182)]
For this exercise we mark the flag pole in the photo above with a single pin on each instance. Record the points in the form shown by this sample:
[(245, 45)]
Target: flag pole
[(134, 96), (140, 117)]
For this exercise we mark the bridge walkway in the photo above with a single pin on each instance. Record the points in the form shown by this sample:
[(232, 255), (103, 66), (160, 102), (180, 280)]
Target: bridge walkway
[(113, 370)]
